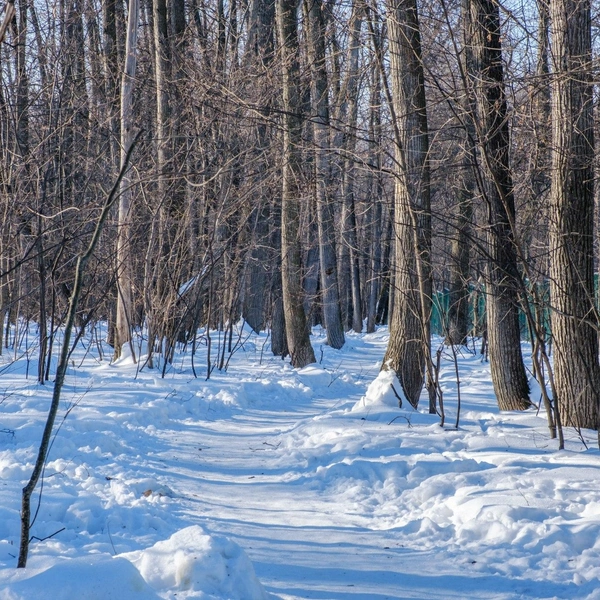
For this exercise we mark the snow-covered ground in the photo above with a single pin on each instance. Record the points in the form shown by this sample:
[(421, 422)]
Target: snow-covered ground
[(268, 482)]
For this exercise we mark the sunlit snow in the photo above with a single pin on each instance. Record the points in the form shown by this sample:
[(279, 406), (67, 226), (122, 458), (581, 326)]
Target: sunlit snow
[(269, 482)]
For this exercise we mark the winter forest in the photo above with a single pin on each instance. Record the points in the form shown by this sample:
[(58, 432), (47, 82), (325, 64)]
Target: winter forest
[(356, 235)]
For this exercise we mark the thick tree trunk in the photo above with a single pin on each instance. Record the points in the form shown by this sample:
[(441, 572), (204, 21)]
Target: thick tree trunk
[(409, 326), (574, 315), (504, 337), (321, 128), (298, 337)]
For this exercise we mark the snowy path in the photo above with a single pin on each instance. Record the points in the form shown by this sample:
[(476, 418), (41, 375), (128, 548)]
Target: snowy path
[(329, 500), (303, 540), (234, 477), (295, 484)]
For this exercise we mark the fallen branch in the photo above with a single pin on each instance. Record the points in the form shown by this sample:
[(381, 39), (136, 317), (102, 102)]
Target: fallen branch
[(401, 417), (33, 537)]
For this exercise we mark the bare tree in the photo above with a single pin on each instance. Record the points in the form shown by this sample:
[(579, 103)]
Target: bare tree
[(298, 339), (348, 114), (124, 275), (409, 326), (321, 133), (496, 186), (63, 363), (574, 316)]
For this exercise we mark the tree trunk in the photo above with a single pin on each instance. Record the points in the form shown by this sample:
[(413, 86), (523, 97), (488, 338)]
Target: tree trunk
[(351, 289), (375, 208), (574, 316), (464, 191), (279, 345), (111, 69), (258, 58), (409, 326), (124, 275), (22, 125), (160, 304), (298, 336), (504, 338), (458, 309), (321, 127)]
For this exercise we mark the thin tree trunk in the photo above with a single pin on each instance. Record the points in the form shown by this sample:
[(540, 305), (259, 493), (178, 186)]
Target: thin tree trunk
[(349, 112), (111, 69), (321, 128), (22, 125), (124, 275), (375, 209), (63, 364)]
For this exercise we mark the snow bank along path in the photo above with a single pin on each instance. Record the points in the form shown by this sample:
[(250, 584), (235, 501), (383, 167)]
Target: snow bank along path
[(312, 482)]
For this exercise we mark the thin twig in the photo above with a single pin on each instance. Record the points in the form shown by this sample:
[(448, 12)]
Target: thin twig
[(33, 537), (397, 395)]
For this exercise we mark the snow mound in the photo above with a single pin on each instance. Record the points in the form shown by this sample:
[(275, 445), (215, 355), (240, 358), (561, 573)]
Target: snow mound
[(198, 566), (314, 376), (381, 394), (126, 358), (95, 577)]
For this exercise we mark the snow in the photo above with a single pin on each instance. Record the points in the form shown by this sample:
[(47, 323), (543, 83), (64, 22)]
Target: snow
[(198, 566), (268, 482)]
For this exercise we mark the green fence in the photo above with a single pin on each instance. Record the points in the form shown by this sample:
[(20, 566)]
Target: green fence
[(539, 307)]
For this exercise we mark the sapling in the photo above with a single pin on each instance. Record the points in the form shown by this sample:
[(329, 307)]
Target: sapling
[(63, 364)]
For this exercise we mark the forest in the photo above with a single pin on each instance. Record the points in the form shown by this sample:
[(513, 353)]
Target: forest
[(344, 164), (178, 176)]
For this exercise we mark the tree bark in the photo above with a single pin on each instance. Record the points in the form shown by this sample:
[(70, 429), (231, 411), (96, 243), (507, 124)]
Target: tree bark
[(22, 125), (458, 309), (298, 337), (503, 283), (409, 325), (258, 58), (321, 127), (124, 275), (375, 207), (574, 315), (349, 259)]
